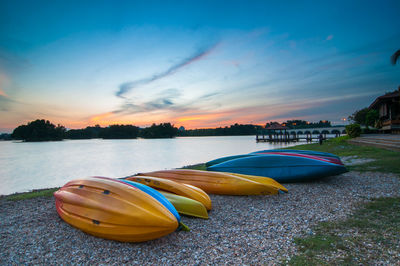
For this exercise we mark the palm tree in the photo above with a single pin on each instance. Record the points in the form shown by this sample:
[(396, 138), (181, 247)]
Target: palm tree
[(395, 56)]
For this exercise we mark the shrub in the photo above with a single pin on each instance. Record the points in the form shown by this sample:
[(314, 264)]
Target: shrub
[(353, 130), (39, 130)]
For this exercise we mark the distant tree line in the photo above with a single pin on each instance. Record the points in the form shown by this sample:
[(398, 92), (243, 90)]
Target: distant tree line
[(299, 124), (5, 136), (110, 132), (44, 130), (233, 130)]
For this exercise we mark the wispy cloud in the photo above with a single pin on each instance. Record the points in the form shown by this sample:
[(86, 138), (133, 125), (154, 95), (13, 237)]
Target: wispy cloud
[(5, 103), (162, 101), (200, 54), (168, 104)]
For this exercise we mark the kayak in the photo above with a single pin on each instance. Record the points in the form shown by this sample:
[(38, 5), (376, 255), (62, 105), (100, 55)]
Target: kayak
[(263, 180), (227, 158), (315, 153), (282, 168), (157, 195), (174, 187), (186, 205), (112, 209), (215, 182), (322, 158), (323, 155), (309, 154)]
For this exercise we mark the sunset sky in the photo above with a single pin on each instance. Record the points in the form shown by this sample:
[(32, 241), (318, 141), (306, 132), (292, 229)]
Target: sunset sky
[(193, 63)]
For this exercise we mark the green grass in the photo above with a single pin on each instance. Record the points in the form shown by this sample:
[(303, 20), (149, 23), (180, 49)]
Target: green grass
[(200, 166), (384, 160), (371, 233), (30, 195)]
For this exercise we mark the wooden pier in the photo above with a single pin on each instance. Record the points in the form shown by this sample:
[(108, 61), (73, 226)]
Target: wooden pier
[(294, 135), (287, 138)]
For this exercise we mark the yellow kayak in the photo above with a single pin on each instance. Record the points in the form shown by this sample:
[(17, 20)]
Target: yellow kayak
[(174, 187), (186, 205), (216, 182), (114, 210), (263, 180)]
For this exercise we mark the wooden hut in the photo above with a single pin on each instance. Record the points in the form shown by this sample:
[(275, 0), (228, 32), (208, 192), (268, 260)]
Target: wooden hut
[(388, 106), (278, 132)]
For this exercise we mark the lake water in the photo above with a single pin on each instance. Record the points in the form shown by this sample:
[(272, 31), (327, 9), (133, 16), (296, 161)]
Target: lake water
[(33, 165)]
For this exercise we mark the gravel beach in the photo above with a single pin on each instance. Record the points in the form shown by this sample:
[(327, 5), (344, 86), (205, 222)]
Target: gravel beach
[(240, 230)]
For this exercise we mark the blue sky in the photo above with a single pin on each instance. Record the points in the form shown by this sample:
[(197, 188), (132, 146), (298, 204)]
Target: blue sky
[(193, 63)]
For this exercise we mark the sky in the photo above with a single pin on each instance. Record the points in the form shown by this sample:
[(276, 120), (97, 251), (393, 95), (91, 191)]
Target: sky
[(196, 64)]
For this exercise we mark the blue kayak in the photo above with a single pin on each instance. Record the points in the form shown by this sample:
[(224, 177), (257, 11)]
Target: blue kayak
[(304, 152), (314, 153), (155, 194), (282, 168)]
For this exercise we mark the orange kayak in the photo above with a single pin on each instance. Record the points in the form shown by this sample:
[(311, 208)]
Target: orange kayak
[(114, 210), (263, 180), (174, 187), (216, 182)]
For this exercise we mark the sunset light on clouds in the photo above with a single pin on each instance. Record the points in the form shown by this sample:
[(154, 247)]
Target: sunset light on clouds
[(195, 64)]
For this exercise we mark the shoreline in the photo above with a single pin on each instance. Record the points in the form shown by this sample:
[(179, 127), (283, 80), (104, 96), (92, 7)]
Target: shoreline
[(280, 229), (241, 229)]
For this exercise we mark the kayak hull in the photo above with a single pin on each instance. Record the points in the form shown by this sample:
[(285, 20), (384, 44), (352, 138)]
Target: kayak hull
[(186, 206), (215, 182), (174, 187), (324, 155), (282, 168), (113, 210)]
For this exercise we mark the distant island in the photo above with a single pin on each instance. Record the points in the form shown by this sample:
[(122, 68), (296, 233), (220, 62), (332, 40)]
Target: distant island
[(44, 130)]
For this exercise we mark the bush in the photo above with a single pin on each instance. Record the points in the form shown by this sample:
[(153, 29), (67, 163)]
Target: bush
[(353, 130), (163, 130), (371, 118), (39, 130)]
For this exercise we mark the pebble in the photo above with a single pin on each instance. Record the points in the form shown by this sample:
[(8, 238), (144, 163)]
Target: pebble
[(241, 229)]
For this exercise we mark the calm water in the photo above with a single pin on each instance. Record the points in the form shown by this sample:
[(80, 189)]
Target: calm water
[(27, 166)]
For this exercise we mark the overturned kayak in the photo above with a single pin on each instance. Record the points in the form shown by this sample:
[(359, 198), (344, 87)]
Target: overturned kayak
[(308, 152), (157, 195), (323, 155), (328, 157), (215, 182), (263, 180), (227, 158), (174, 187), (186, 205), (112, 209), (280, 167)]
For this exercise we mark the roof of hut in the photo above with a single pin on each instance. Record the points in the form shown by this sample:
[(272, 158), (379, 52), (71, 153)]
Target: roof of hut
[(387, 97)]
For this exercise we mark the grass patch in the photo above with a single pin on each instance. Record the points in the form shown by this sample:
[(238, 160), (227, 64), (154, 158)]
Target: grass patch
[(30, 195), (369, 236), (200, 166), (384, 160)]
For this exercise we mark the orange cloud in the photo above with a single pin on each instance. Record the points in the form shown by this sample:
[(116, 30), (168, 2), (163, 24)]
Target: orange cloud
[(2, 93), (100, 117)]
